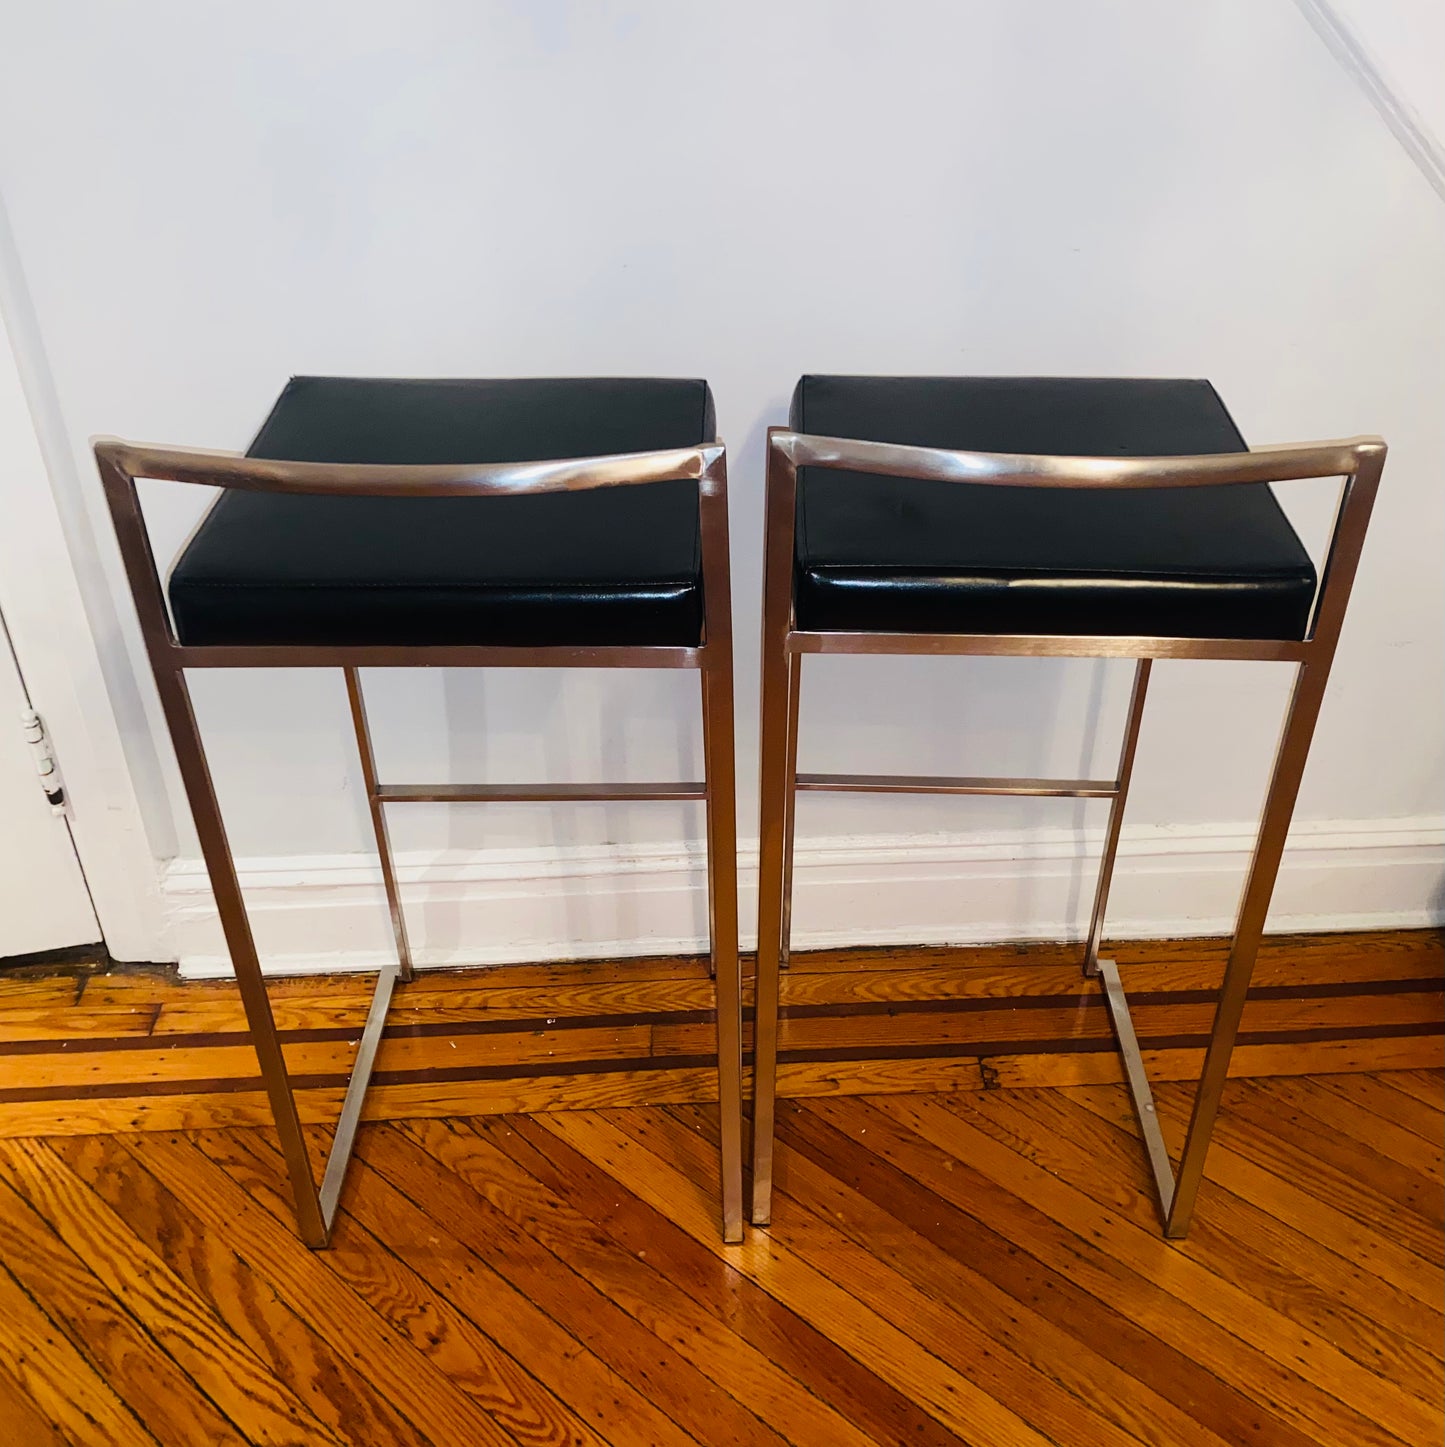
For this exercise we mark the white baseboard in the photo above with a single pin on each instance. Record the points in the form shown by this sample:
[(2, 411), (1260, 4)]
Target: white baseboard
[(325, 913)]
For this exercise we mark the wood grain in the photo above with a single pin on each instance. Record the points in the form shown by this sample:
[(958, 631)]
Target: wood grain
[(21, 1418), (1382, 1101), (60, 1385), (963, 1212), (1426, 1085), (810, 1355), (952, 1398), (1255, 1164), (249, 1304), (394, 1253), (1368, 1130), (521, 1254), (223, 1369), (982, 1267), (1260, 1253), (171, 1403), (125, 1052), (1050, 1375), (402, 1377), (634, 1284)]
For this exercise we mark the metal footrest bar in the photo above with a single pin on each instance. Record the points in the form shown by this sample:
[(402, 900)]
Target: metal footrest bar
[(1139, 1092), (944, 784), (345, 1137), (533, 793)]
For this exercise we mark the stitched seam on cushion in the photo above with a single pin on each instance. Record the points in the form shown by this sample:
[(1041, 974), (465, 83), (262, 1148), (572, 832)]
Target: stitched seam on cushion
[(917, 571)]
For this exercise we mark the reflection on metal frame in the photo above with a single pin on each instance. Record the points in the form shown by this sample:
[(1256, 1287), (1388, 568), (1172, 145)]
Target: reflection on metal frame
[(122, 463), (1358, 460)]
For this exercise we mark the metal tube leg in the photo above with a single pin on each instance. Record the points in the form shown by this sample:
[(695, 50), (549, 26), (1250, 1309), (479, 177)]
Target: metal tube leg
[(790, 806), (722, 878), (190, 755), (772, 911), (1116, 814), (405, 970), (1289, 767)]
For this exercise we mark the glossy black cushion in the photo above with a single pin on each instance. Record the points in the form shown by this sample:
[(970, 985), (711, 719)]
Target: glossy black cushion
[(617, 565), (887, 554)]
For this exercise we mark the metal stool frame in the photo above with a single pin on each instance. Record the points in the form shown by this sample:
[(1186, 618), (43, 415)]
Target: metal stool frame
[(121, 464), (1357, 460)]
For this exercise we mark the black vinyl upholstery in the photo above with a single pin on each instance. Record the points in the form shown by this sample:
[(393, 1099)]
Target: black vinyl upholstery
[(617, 565), (888, 554)]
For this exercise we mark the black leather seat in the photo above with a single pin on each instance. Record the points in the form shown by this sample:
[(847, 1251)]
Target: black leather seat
[(619, 565), (887, 554)]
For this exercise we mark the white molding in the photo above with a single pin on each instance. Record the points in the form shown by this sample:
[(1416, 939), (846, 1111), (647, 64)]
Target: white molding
[(325, 913)]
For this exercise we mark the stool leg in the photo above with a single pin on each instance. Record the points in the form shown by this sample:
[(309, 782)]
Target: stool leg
[(220, 866), (1116, 814), (790, 808), (405, 970), (781, 681), (1289, 768), (722, 888)]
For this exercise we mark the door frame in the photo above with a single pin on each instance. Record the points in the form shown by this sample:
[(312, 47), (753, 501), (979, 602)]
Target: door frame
[(42, 559)]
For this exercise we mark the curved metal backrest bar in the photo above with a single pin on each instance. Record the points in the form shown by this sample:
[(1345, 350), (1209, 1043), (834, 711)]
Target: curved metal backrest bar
[(364, 479), (121, 464), (1266, 464)]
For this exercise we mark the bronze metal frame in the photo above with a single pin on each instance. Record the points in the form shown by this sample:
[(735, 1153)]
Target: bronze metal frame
[(122, 463), (1358, 460)]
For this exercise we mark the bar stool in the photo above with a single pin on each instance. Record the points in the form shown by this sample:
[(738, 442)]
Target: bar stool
[(391, 524), (1052, 517)]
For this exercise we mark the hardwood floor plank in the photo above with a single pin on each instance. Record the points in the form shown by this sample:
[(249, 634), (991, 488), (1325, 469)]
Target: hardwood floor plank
[(1400, 1167), (866, 1399), (1140, 1324), (1364, 1128), (635, 1284), (689, 1397), (1374, 1094), (819, 977), (185, 1058), (403, 1376), (1425, 1084), (1391, 1199), (594, 1035), (221, 1366), (46, 993), (950, 1397), (58, 1381), (1310, 1057), (1390, 1333), (983, 1267), (472, 1360), (1395, 951), (21, 1419), (1048, 1374), (243, 1291), (1086, 1176), (380, 1221), (67, 1022), (165, 1398), (1293, 1197)]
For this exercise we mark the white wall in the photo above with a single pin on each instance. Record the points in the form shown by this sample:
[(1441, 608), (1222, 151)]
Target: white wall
[(205, 200)]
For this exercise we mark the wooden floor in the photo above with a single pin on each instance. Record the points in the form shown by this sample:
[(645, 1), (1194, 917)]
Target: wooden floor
[(954, 1257), (979, 1267), (92, 1052)]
